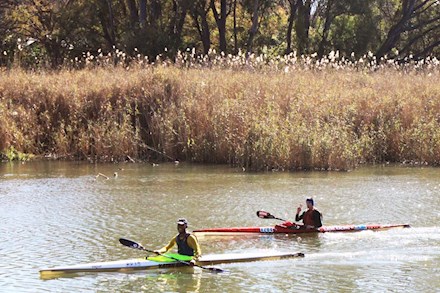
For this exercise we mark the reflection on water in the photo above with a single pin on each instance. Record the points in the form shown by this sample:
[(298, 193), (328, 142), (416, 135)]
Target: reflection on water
[(60, 213)]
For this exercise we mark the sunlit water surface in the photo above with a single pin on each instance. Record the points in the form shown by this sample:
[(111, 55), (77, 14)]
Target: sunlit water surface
[(60, 213)]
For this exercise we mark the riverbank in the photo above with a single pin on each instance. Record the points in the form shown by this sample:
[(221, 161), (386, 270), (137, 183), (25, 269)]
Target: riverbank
[(289, 119)]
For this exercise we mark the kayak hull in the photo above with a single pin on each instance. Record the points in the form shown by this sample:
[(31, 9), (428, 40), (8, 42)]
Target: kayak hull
[(113, 266), (281, 229), (139, 264), (215, 259)]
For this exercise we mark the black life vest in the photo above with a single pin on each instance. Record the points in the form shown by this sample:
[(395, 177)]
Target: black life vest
[(183, 247)]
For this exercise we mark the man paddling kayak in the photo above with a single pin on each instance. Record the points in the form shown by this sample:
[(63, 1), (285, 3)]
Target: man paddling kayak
[(311, 218), (187, 243)]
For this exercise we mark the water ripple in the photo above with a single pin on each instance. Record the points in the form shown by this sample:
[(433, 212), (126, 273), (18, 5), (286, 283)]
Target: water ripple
[(65, 217)]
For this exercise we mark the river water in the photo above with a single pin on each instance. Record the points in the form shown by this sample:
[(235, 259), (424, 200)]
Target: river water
[(60, 213)]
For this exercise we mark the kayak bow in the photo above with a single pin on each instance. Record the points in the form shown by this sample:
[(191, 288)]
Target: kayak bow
[(295, 229)]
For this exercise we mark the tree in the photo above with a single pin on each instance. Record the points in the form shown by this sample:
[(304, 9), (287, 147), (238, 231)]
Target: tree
[(49, 23), (254, 28), (199, 14), (347, 26), (234, 9), (104, 10), (149, 26), (5, 22), (256, 9), (220, 19), (142, 12), (177, 20), (416, 27), (7, 26), (303, 25), (59, 30), (293, 7), (329, 15)]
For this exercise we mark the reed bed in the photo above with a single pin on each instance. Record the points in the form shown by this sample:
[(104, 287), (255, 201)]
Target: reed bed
[(253, 112)]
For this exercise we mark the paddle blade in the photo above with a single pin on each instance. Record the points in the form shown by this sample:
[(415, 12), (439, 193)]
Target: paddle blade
[(130, 243), (215, 270), (264, 215)]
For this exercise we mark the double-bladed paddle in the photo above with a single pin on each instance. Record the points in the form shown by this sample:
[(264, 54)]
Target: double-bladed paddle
[(135, 245), (267, 215)]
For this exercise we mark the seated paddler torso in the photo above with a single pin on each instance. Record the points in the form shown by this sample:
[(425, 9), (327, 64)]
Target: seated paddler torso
[(187, 243), (312, 218)]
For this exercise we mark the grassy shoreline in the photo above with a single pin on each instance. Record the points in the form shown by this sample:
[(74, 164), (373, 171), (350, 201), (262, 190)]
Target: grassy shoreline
[(257, 119)]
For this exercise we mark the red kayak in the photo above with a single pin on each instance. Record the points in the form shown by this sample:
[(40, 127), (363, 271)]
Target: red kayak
[(293, 229)]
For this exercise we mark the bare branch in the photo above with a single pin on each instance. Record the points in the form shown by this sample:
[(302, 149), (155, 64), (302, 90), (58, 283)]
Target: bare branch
[(422, 24), (427, 50), (418, 37), (422, 4)]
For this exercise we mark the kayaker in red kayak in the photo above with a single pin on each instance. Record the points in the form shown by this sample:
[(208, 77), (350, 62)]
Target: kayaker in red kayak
[(311, 218), (187, 243)]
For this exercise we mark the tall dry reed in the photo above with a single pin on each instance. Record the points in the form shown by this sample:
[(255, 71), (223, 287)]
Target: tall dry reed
[(261, 115)]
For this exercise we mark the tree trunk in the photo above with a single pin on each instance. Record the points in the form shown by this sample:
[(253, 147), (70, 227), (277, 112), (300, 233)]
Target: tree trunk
[(220, 19), (156, 12), (199, 14), (327, 23), (133, 13), (111, 22), (235, 28), (293, 7), (142, 12), (206, 35), (396, 30), (180, 9), (303, 25), (105, 16), (254, 28)]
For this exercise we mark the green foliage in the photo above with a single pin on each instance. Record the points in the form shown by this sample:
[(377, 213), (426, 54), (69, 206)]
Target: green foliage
[(11, 154), (355, 33), (65, 31)]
